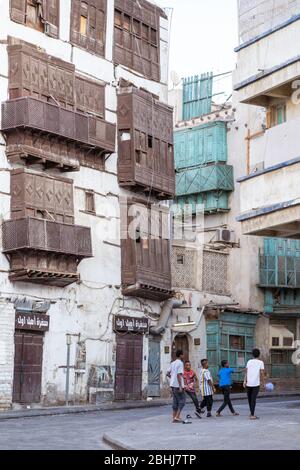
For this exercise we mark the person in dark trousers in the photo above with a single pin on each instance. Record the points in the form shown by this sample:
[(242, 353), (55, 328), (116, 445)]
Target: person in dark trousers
[(207, 388), (225, 385), (254, 378), (190, 382), (175, 374)]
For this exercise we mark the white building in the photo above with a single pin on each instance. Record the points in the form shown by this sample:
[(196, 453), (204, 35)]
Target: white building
[(266, 84), (62, 63), (267, 78)]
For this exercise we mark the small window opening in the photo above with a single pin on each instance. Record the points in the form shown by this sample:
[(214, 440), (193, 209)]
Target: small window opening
[(90, 202), (150, 141), (275, 342), (83, 25), (180, 259), (287, 342)]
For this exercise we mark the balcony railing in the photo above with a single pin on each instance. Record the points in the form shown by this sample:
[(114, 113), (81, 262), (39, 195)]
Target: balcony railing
[(279, 271), (32, 113), (47, 236)]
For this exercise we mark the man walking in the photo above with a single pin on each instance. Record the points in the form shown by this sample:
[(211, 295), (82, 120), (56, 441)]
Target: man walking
[(254, 378), (175, 373)]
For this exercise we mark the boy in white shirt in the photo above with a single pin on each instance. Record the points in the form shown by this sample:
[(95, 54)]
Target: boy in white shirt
[(254, 378), (175, 373)]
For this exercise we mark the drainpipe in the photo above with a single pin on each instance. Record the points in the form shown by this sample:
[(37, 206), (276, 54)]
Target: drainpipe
[(165, 314)]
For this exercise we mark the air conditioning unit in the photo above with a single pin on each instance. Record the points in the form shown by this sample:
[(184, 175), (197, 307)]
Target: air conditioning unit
[(225, 236)]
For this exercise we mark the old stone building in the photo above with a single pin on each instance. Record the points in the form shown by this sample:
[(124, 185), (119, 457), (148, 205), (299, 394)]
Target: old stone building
[(84, 125)]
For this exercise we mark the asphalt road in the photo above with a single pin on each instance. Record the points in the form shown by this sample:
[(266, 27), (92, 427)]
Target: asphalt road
[(84, 431)]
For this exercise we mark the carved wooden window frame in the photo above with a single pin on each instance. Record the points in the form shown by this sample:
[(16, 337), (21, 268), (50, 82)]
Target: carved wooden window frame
[(95, 12), (137, 37), (47, 15)]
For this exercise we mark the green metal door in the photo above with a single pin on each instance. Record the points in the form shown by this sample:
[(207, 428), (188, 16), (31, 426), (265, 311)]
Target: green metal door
[(232, 339), (212, 338)]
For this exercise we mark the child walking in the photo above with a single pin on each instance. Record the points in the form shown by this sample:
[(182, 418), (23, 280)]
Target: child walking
[(190, 382), (207, 388), (225, 385)]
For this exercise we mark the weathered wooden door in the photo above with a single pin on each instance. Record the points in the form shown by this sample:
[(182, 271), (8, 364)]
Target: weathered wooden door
[(129, 367), (154, 368), (181, 342), (28, 367)]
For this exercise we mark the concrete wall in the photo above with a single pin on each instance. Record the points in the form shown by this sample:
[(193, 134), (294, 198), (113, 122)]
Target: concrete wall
[(7, 329), (258, 16), (271, 188), (83, 310), (268, 52)]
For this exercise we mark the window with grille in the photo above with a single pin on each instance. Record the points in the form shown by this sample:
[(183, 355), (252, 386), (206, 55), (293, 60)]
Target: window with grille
[(90, 202), (88, 25), (42, 15), (215, 272), (136, 40), (184, 267), (281, 357)]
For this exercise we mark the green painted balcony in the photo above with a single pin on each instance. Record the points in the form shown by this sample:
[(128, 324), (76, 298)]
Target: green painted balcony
[(197, 95), (212, 202), (200, 145), (279, 271), (203, 179)]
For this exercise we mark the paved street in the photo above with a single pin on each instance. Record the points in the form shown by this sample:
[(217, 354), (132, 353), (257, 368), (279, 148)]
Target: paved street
[(150, 428)]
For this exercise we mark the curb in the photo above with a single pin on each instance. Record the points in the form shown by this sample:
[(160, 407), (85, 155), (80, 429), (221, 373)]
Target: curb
[(114, 444), (55, 411), (5, 415)]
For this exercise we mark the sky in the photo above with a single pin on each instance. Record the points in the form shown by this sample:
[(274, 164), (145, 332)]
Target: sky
[(204, 34)]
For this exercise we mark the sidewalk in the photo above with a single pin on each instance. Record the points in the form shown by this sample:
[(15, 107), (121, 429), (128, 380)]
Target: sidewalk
[(114, 406), (271, 432)]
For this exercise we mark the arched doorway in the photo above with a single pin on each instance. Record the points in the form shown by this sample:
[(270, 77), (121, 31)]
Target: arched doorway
[(181, 342)]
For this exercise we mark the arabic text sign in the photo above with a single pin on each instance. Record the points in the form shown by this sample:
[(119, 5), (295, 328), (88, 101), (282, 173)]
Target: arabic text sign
[(32, 321), (133, 324)]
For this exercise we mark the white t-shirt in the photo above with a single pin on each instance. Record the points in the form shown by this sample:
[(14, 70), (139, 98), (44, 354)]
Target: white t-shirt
[(176, 368), (254, 366)]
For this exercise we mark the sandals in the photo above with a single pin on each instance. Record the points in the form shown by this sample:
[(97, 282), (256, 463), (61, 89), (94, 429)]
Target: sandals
[(254, 418)]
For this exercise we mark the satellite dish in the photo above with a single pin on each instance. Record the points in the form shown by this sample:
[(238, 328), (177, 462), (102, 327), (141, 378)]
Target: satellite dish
[(176, 80)]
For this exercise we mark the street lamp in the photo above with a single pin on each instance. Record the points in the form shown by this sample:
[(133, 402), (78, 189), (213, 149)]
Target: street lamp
[(69, 342)]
